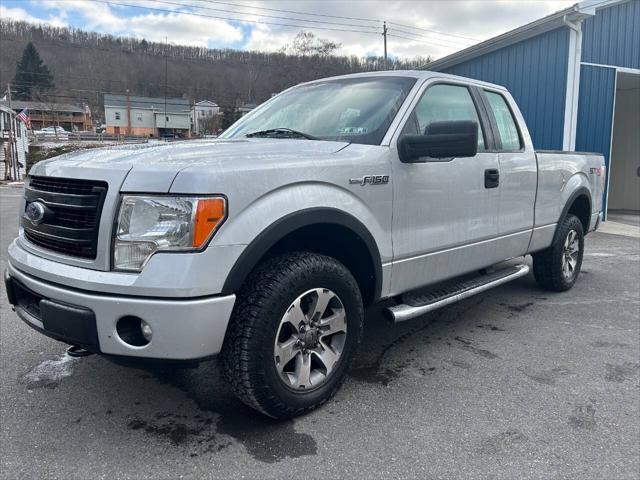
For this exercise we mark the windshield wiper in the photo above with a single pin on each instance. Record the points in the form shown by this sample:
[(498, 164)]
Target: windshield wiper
[(283, 132)]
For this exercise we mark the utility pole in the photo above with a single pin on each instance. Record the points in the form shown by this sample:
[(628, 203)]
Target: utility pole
[(165, 82), (384, 35)]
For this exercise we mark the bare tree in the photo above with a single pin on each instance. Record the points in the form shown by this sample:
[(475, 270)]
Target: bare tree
[(306, 44), (209, 124)]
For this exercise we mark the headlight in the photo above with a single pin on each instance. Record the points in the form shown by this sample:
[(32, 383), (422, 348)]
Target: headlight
[(149, 224)]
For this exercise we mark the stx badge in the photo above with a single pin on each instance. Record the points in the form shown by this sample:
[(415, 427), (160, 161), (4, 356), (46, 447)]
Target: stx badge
[(370, 180)]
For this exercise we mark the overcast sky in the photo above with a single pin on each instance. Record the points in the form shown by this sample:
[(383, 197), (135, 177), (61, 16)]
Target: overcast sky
[(251, 25)]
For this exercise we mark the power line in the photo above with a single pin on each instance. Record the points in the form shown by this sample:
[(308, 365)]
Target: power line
[(355, 28), (431, 39), (403, 37), (378, 21), (291, 11), (164, 2), (159, 103), (421, 38), (413, 39), (433, 31), (286, 25)]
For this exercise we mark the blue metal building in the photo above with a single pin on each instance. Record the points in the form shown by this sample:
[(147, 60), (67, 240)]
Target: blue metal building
[(576, 77)]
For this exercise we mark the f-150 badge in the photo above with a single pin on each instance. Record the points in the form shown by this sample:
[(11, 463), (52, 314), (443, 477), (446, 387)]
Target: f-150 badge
[(370, 180)]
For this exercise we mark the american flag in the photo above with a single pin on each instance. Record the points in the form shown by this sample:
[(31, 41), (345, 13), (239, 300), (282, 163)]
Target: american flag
[(24, 117)]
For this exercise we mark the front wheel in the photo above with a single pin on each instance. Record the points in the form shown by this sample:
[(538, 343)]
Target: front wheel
[(557, 267), (295, 327)]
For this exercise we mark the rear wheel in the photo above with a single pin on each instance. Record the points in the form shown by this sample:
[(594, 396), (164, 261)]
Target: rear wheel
[(557, 268), (295, 327)]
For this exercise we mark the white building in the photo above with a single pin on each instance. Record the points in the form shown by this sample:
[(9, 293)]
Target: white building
[(201, 115), (246, 108), (147, 116)]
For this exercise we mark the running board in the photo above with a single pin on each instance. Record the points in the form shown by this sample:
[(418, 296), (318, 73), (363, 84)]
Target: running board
[(418, 304)]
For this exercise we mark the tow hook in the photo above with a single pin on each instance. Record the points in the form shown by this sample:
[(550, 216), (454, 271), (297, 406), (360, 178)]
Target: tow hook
[(77, 351)]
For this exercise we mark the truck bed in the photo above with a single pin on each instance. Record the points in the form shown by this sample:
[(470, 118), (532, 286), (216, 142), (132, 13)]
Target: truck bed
[(561, 175)]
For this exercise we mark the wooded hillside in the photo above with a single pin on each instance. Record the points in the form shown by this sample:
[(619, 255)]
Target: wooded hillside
[(87, 64)]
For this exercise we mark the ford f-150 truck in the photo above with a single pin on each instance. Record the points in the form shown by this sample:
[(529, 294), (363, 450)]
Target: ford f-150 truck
[(266, 245)]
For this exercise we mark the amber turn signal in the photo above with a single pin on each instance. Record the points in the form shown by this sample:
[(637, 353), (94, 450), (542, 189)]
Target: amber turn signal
[(210, 213)]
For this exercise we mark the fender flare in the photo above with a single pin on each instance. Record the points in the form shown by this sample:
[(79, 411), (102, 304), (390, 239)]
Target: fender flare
[(288, 224), (565, 211)]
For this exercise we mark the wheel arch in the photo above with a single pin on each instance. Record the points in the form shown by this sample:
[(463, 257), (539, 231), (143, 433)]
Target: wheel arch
[(578, 204), (292, 229)]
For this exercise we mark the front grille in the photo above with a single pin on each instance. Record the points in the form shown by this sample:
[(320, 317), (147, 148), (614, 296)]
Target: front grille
[(61, 246), (68, 217), (63, 185), (72, 214)]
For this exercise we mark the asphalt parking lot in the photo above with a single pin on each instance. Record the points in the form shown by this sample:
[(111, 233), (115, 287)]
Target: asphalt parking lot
[(513, 383)]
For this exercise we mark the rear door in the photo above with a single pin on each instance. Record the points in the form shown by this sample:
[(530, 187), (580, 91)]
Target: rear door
[(518, 173), (445, 214)]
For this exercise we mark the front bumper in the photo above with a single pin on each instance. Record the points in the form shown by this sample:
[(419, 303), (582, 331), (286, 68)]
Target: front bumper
[(183, 329)]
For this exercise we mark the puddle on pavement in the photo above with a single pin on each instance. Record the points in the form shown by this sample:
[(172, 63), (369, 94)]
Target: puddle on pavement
[(265, 439), (49, 373)]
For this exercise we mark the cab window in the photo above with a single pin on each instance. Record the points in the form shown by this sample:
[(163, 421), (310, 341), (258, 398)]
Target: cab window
[(507, 128), (442, 103)]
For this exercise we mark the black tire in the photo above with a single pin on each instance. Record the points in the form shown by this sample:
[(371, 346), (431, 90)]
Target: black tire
[(248, 351), (548, 263)]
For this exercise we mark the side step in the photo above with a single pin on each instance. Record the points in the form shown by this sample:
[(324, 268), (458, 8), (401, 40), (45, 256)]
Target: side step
[(418, 304)]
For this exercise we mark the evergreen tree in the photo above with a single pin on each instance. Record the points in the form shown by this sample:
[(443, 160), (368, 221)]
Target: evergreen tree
[(32, 75), (229, 116)]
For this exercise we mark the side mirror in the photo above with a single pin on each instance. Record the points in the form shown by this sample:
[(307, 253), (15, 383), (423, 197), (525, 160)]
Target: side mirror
[(440, 140)]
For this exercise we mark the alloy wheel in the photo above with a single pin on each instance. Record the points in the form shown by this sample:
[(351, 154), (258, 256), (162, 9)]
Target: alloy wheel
[(310, 339), (570, 254)]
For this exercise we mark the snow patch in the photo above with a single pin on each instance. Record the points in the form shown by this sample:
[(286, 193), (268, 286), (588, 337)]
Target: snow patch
[(50, 372)]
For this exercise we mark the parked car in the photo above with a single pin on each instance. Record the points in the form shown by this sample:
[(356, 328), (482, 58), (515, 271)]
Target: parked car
[(52, 133), (266, 245)]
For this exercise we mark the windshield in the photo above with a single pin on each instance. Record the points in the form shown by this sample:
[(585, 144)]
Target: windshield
[(357, 110)]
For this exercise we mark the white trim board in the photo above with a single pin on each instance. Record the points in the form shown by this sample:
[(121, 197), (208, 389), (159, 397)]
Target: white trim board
[(605, 207), (634, 71), (572, 87)]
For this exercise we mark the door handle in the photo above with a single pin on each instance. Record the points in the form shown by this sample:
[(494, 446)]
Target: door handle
[(491, 178)]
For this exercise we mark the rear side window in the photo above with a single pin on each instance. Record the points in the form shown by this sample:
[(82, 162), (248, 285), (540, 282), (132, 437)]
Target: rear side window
[(507, 127), (441, 103)]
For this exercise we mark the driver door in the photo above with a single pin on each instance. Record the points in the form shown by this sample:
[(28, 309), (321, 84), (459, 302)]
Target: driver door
[(445, 212)]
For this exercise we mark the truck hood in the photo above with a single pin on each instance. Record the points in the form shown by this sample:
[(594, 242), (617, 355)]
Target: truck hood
[(152, 167)]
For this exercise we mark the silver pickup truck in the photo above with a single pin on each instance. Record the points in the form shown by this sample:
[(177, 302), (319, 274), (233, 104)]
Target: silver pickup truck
[(265, 245)]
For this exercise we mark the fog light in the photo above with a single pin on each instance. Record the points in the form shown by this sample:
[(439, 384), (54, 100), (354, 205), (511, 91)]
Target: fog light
[(147, 333), (134, 331)]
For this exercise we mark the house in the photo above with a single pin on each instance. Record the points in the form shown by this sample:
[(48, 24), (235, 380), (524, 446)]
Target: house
[(147, 116), (48, 114), (246, 108), (13, 135), (204, 115), (576, 77)]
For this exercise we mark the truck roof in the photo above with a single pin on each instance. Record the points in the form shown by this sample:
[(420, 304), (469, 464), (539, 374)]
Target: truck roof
[(418, 74)]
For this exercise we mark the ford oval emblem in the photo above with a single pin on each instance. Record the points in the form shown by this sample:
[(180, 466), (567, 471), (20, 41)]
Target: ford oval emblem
[(35, 213)]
